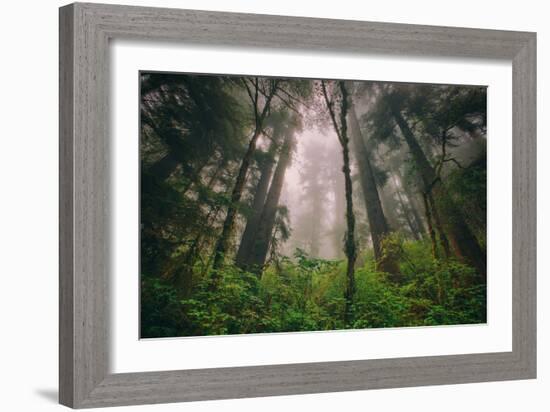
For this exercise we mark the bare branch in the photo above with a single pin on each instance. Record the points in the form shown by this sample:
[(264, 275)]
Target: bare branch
[(456, 162), (292, 97), (253, 98), (274, 87), (331, 112)]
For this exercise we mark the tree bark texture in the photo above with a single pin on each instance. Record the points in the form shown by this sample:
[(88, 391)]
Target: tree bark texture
[(378, 224), (222, 245), (269, 212), (464, 244), (252, 223)]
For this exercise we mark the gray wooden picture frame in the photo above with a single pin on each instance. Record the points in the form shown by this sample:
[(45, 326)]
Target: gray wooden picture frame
[(85, 31)]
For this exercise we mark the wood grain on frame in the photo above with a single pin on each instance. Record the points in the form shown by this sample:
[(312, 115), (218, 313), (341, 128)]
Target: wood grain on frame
[(85, 31)]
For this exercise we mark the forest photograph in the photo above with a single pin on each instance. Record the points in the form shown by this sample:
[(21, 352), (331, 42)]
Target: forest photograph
[(273, 205)]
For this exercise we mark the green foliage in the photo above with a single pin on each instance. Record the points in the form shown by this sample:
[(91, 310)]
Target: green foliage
[(195, 131), (306, 294), (161, 311), (235, 306)]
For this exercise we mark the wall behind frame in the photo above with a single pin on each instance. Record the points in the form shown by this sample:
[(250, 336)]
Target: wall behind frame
[(28, 173)]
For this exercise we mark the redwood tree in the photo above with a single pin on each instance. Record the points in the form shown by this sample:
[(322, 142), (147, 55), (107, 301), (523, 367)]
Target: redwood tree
[(338, 117), (461, 238), (261, 93), (378, 224), (267, 219)]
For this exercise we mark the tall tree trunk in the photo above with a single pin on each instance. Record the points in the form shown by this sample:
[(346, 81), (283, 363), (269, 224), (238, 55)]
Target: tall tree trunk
[(338, 227), (378, 224), (413, 203), (443, 240), (269, 212), (222, 245), (406, 215), (431, 230), (252, 223), (464, 243), (409, 210), (350, 247), (388, 206)]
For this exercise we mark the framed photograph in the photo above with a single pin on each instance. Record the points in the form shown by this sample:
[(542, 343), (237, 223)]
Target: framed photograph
[(257, 205)]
